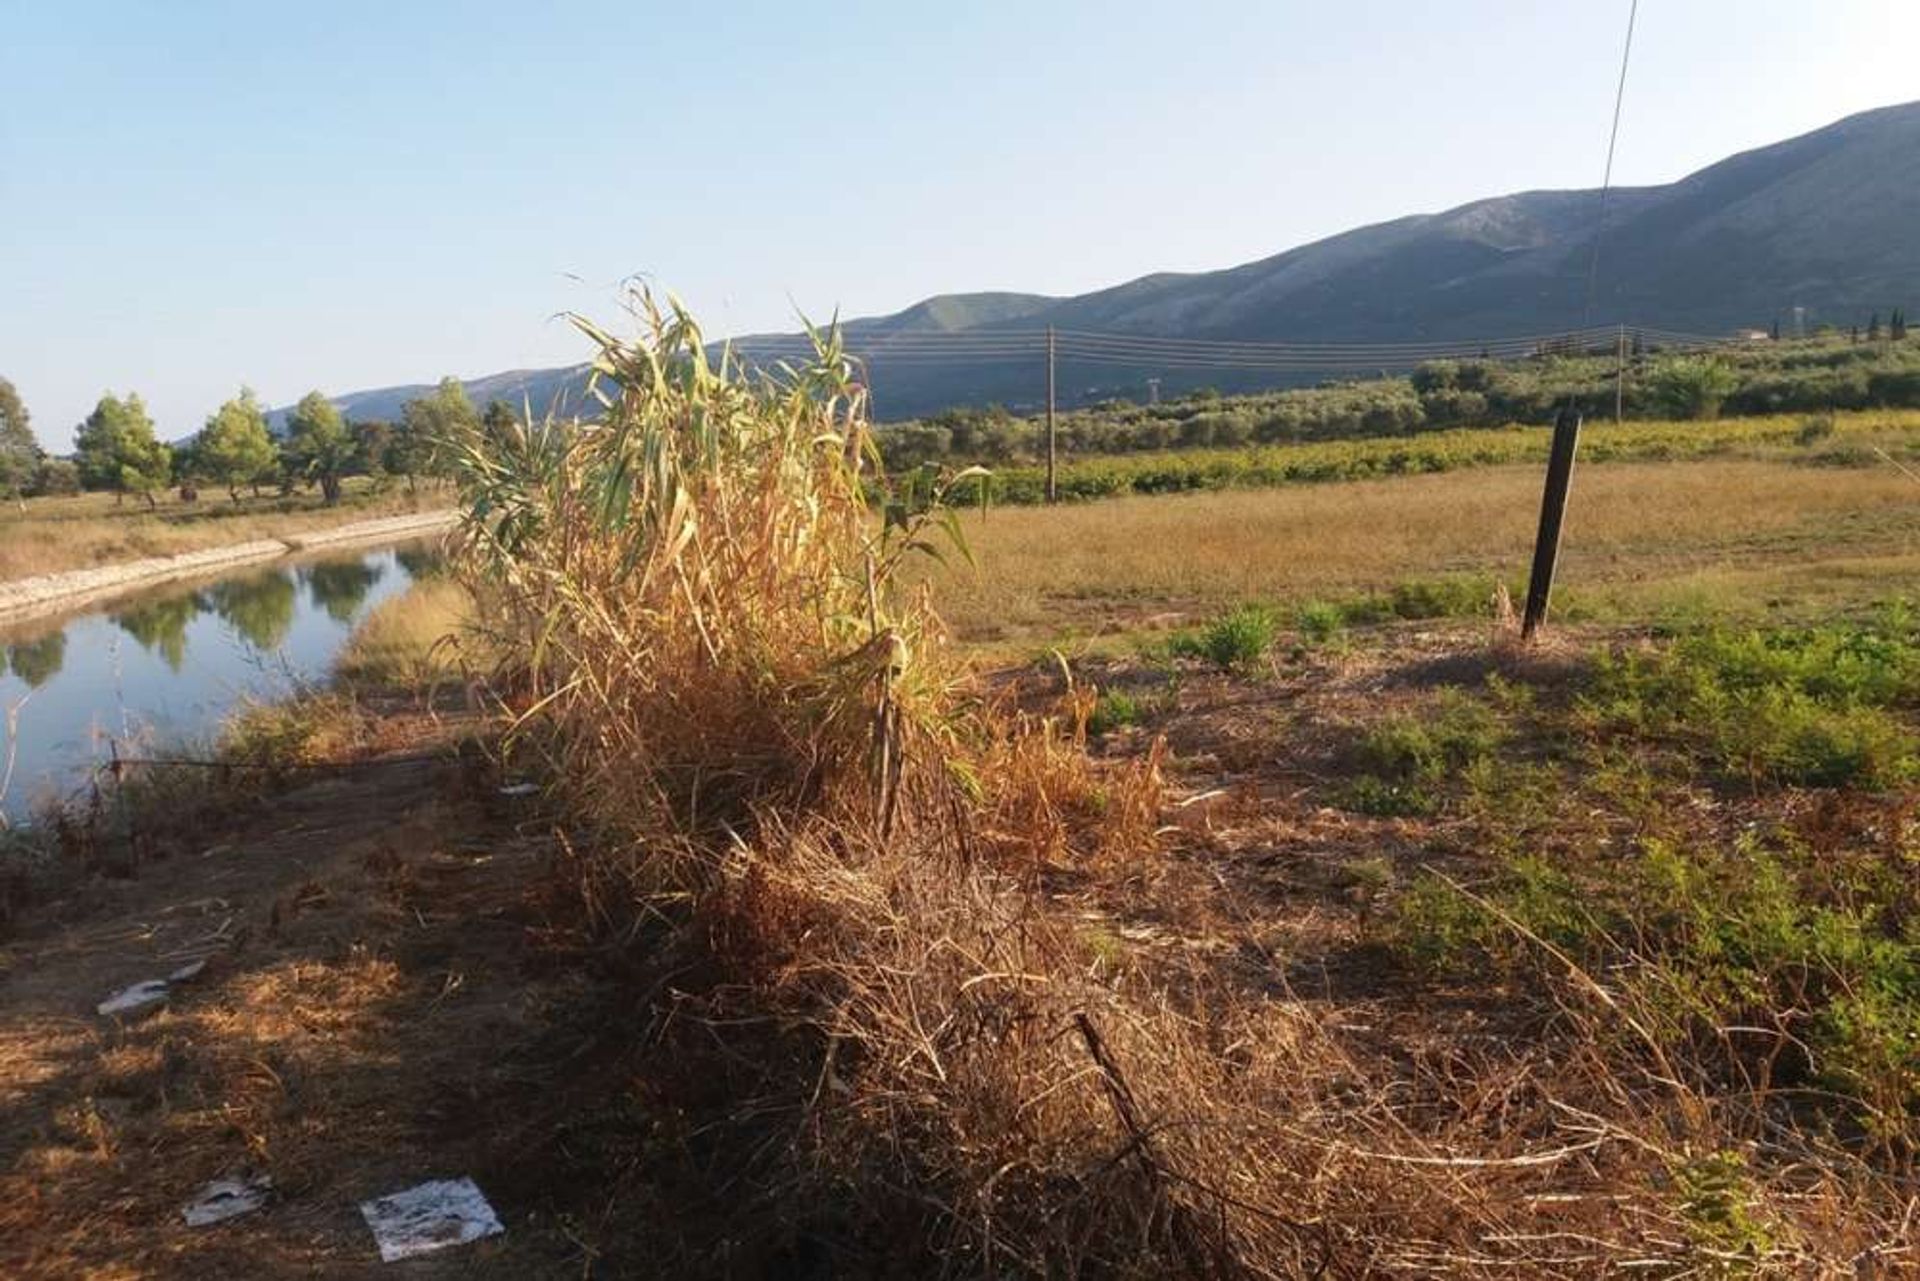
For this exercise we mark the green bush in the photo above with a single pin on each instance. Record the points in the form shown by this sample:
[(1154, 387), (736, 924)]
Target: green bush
[(1716, 1203), (1114, 709), (1238, 638), (1383, 798), (1320, 622), (1700, 939), (1457, 732), (1460, 596), (1404, 760), (1812, 707)]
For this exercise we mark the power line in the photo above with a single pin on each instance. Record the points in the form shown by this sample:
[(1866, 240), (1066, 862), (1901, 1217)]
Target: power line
[(1606, 176), (965, 348), (1566, 428)]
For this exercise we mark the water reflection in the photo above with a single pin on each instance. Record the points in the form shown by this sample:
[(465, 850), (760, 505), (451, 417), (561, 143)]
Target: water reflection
[(421, 562), (195, 652), (36, 662), (339, 587), (161, 626), (259, 607)]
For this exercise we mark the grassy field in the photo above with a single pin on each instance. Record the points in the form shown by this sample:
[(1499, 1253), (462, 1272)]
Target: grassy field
[(88, 530), (1830, 439), (1642, 539)]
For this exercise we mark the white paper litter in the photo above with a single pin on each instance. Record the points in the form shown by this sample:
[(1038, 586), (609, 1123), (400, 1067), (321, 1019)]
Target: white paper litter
[(136, 999), (142, 997), (225, 1199), (519, 789), (429, 1217), (188, 972)]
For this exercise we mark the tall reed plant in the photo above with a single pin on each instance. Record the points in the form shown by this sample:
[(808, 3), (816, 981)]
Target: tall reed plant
[(707, 604)]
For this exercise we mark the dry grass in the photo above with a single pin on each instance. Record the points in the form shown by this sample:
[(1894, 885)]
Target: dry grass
[(89, 530), (894, 988), (363, 1022), (424, 634), (1636, 530), (1101, 1035)]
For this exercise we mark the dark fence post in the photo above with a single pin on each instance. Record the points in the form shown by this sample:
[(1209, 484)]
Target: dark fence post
[(1553, 515)]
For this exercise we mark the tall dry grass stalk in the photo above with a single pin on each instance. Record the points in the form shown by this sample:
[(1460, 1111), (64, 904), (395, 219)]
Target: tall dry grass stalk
[(710, 617), (874, 1008)]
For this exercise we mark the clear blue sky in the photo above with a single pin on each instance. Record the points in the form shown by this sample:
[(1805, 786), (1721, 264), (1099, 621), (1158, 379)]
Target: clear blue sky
[(195, 195)]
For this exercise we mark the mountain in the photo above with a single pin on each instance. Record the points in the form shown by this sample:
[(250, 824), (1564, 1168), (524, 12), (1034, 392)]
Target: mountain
[(539, 387), (1828, 222)]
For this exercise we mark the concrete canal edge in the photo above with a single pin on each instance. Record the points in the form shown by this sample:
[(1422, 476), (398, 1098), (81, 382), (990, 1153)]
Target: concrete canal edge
[(49, 593)]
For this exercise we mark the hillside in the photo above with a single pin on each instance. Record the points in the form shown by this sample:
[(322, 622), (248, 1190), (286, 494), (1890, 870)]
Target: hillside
[(1829, 221)]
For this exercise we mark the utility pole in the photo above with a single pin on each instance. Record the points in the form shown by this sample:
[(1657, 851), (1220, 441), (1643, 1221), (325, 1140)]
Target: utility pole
[(1053, 440), (1620, 376)]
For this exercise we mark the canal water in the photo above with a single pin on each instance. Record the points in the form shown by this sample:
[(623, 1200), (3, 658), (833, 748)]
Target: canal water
[(167, 666)]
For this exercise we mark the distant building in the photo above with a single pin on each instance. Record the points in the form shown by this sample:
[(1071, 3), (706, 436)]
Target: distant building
[(1752, 335)]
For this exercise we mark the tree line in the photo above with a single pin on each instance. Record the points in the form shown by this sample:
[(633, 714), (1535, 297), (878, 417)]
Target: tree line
[(1811, 376), (117, 450)]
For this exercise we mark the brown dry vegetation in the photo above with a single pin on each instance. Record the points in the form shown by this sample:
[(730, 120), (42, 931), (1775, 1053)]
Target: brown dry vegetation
[(1210, 1021), (88, 530)]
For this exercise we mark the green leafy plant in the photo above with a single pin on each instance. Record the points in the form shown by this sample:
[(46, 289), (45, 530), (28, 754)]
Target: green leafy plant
[(1238, 638), (1693, 386), (1810, 707), (1114, 709), (1320, 622), (1405, 759), (1717, 1203)]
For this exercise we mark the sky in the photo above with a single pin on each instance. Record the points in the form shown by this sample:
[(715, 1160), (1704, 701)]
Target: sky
[(196, 195)]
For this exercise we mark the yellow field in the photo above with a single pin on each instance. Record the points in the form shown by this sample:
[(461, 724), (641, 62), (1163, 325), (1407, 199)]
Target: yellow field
[(86, 530), (1639, 536)]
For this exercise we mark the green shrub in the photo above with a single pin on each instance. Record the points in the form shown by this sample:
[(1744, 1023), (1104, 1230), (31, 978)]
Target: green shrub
[(1238, 638), (1716, 1203), (1700, 939), (1693, 386), (1405, 760), (1811, 707), (1815, 429), (1384, 798), (1320, 622), (1115, 709), (1459, 596), (1459, 731)]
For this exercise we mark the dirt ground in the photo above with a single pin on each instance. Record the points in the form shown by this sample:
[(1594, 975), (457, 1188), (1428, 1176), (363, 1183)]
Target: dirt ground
[(396, 990), (381, 1005), (391, 995)]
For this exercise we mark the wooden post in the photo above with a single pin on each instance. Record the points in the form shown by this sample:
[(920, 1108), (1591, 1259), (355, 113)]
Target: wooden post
[(1553, 515), (1620, 377), (1053, 441)]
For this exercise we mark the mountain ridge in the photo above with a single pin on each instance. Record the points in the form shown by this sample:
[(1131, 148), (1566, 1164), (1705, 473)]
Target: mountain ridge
[(1828, 221)]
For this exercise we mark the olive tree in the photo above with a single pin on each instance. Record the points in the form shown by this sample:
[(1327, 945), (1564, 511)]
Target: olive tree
[(234, 448)]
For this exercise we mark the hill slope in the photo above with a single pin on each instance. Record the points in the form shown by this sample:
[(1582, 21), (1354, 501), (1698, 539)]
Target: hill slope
[(1829, 221)]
